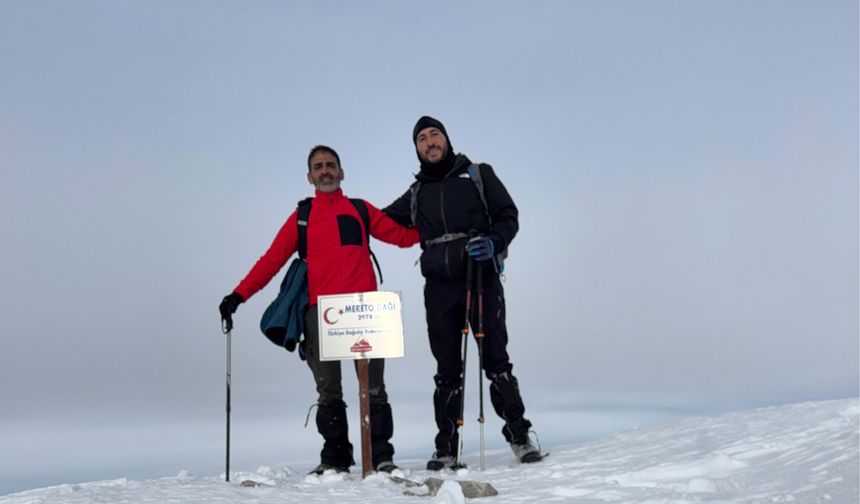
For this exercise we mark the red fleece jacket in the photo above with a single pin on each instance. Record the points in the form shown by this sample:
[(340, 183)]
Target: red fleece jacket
[(333, 268)]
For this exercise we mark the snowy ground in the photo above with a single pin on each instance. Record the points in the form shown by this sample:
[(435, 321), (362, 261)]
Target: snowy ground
[(801, 453)]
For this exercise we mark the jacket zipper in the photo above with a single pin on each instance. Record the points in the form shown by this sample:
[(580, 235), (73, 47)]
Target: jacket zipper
[(444, 220), (444, 223)]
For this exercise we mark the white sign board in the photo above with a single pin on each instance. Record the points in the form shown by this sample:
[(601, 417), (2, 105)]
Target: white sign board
[(365, 325)]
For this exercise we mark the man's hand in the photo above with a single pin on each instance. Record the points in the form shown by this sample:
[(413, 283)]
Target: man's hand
[(228, 307), (480, 248)]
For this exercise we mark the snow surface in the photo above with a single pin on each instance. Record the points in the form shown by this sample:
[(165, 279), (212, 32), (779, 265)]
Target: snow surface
[(800, 453)]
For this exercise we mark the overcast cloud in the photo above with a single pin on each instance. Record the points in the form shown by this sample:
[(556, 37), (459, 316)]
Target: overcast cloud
[(686, 174)]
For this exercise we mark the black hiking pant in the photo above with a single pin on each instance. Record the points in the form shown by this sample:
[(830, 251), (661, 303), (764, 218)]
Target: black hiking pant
[(331, 412), (445, 304)]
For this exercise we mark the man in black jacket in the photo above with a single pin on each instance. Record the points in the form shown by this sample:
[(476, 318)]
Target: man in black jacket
[(455, 223)]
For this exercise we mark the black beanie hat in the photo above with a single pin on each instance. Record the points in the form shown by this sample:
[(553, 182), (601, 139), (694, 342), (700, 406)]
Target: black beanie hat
[(428, 122)]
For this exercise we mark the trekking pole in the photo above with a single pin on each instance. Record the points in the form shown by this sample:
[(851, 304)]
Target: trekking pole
[(227, 328), (465, 346), (479, 336)]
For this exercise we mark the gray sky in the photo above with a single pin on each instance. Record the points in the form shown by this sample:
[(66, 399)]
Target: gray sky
[(686, 173)]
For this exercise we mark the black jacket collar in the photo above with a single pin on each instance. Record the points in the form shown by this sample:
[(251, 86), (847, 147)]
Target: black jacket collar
[(451, 166)]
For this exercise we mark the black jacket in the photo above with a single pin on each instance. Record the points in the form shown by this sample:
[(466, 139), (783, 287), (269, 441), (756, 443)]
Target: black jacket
[(452, 204)]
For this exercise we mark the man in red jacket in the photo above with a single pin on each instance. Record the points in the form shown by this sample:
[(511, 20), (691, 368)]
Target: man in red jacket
[(338, 260)]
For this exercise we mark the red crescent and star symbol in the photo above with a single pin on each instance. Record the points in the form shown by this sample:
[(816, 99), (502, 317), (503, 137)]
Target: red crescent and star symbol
[(327, 316)]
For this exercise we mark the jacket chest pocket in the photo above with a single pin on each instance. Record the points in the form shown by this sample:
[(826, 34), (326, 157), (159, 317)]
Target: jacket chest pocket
[(454, 207), (349, 230)]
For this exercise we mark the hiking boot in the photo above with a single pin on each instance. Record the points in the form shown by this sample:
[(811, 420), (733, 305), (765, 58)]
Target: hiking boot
[(322, 468), (526, 452), (437, 463), (386, 466)]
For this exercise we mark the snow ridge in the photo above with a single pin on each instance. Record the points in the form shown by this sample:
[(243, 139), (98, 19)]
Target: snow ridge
[(799, 453)]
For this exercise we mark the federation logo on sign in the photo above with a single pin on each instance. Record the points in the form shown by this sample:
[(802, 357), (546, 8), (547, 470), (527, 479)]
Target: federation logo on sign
[(361, 346)]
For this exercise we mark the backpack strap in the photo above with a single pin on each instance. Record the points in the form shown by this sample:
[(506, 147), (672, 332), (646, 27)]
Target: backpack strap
[(365, 216), (303, 211), (475, 173), (361, 208)]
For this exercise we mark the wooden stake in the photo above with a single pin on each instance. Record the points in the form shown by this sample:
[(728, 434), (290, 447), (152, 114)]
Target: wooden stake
[(364, 408)]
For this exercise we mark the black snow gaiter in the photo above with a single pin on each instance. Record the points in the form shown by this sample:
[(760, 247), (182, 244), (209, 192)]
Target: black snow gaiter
[(440, 169)]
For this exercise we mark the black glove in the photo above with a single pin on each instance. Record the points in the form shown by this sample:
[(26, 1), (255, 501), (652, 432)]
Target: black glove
[(480, 248), (228, 308)]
